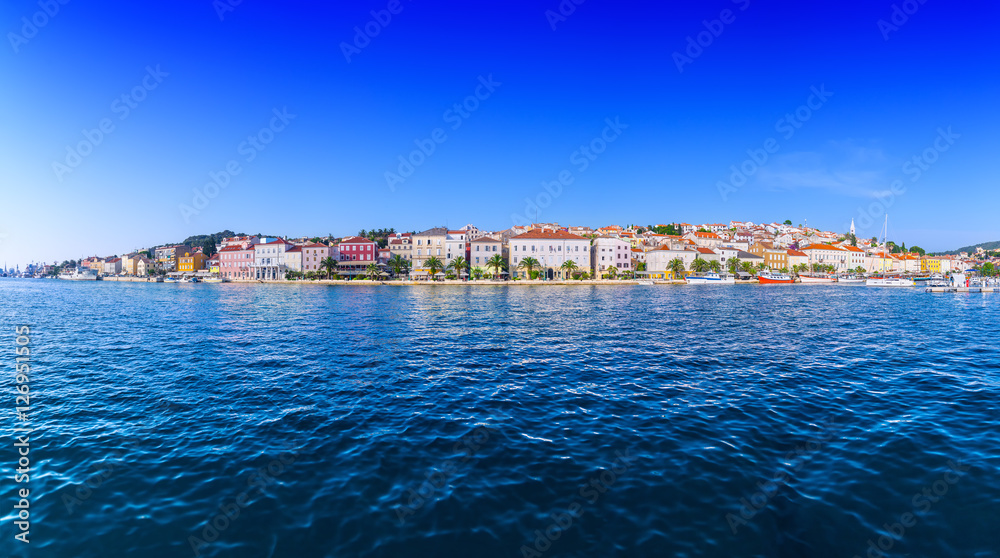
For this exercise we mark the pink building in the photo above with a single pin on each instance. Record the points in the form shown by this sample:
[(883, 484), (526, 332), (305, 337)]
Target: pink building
[(236, 260), (313, 255)]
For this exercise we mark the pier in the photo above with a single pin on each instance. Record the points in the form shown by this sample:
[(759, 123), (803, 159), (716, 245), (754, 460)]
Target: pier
[(961, 289)]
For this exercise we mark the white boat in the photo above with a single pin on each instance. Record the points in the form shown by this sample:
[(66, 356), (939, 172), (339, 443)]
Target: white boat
[(212, 280), (851, 280), (710, 279), (170, 280), (817, 279), (80, 274), (646, 282), (889, 282)]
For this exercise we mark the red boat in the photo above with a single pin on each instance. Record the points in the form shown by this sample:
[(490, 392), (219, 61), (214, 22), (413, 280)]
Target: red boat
[(767, 278)]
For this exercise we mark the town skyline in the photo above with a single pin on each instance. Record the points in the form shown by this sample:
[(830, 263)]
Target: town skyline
[(330, 236)]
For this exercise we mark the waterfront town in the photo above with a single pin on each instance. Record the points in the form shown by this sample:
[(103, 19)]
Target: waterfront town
[(543, 251)]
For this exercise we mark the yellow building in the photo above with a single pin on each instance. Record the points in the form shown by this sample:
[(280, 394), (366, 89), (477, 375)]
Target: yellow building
[(932, 265), (774, 258), (191, 262)]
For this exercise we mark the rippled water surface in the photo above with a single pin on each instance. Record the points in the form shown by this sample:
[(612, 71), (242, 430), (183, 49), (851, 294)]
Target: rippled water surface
[(472, 422)]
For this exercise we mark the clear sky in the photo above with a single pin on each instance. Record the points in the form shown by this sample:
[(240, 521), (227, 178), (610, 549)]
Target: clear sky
[(536, 84)]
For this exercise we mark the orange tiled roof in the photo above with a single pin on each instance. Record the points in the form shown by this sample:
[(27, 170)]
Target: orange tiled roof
[(544, 234)]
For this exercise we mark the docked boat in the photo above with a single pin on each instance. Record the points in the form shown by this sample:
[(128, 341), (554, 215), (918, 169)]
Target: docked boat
[(889, 282), (770, 278), (817, 279), (212, 280), (170, 280), (191, 280), (851, 280), (80, 274), (646, 282), (710, 279), (885, 280)]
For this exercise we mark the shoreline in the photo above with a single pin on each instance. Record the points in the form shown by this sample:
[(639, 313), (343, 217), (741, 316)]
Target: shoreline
[(442, 283)]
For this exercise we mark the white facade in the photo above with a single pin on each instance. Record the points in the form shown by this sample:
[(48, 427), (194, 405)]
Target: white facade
[(658, 261), (825, 254), (551, 248), (483, 249), (269, 259)]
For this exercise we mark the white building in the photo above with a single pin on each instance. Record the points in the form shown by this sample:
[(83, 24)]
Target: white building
[(551, 248), (826, 254), (658, 260), (456, 243), (483, 249), (269, 258)]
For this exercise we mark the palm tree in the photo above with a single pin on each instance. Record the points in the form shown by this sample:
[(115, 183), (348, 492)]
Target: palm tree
[(699, 265), (434, 266), (715, 266), (733, 265), (398, 263), (641, 266), (747, 266), (372, 271), (676, 266), (497, 264), (477, 273), (568, 266), (612, 271), (330, 265), (529, 264), (458, 265), (761, 266)]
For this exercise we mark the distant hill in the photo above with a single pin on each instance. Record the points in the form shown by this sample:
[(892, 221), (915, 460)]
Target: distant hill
[(989, 246)]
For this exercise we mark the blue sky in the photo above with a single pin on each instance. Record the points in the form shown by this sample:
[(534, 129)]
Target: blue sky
[(200, 80)]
